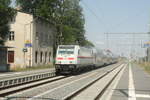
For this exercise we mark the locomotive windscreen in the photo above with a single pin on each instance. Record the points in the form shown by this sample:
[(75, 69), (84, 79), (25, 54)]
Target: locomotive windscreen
[(66, 47), (66, 50)]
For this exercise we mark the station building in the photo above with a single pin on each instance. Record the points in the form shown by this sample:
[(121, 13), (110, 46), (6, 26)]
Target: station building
[(32, 38), (4, 66)]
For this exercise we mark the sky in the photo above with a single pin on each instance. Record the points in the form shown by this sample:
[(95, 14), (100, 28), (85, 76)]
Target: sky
[(117, 16)]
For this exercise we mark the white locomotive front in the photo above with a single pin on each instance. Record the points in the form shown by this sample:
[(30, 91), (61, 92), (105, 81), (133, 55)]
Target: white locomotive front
[(73, 58)]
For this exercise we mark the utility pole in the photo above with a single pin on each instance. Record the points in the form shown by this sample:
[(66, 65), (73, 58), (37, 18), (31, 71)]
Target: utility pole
[(61, 22), (132, 46), (107, 41)]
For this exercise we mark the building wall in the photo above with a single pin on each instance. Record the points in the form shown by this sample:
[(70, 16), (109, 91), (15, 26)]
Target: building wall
[(3, 59), (21, 27), (25, 29), (43, 43)]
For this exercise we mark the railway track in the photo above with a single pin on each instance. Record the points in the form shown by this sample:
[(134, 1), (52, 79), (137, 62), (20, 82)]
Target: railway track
[(72, 87), (23, 87), (7, 92), (83, 93)]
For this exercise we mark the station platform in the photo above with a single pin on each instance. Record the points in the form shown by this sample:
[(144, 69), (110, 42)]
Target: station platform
[(132, 84), (7, 75)]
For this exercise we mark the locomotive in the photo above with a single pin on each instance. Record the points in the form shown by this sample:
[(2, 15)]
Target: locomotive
[(74, 58)]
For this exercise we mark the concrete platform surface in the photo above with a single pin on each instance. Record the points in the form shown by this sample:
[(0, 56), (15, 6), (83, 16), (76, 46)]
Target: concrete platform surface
[(6, 75), (134, 84)]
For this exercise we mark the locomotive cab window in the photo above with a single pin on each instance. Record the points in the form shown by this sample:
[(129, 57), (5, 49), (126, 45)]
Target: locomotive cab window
[(66, 52)]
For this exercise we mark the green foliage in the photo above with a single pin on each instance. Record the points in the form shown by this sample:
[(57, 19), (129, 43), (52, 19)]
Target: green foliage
[(145, 66), (73, 18), (65, 14), (6, 14), (43, 8), (89, 43)]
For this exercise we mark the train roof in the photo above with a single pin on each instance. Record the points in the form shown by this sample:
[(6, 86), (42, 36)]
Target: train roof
[(74, 46)]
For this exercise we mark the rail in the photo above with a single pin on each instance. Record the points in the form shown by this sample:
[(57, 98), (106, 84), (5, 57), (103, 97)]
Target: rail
[(74, 94)]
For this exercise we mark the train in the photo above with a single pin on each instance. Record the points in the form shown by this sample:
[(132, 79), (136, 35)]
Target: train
[(71, 59)]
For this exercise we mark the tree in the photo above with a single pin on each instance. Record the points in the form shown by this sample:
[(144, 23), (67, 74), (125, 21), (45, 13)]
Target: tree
[(66, 15), (73, 18), (42, 8), (6, 14), (89, 43)]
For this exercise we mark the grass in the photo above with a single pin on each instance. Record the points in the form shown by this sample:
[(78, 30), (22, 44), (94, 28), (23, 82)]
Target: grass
[(18, 69), (145, 66)]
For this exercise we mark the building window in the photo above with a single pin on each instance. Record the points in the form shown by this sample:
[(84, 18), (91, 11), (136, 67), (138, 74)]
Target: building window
[(45, 56), (12, 20), (11, 36), (36, 57), (10, 56), (41, 58), (49, 56), (37, 36)]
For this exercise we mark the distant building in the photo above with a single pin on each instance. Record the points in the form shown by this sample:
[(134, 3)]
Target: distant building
[(32, 39)]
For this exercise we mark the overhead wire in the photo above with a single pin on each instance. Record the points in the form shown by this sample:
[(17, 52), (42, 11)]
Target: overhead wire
[(101, 21), (94, 14)]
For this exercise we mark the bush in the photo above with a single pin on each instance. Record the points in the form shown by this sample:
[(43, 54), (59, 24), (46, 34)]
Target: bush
[(146, 66)]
